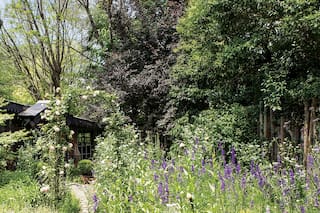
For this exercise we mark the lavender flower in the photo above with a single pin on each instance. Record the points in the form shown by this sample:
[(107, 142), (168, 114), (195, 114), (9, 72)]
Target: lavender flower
[(155, 177), (227, 171), (233, 156), (96, 202), (222, 183), (238, 168), (302, 209), (291, 176), (164, 165), (243, 181)]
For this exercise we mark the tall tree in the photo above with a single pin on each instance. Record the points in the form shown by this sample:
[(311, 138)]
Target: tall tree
[(136, 47), (36, 35)]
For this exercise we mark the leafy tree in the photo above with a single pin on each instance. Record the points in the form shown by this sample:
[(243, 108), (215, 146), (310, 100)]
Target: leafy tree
[(135, 44), (36, 35)]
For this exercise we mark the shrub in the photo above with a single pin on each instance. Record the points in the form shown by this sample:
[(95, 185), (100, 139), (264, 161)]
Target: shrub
[(85, 167), (70, 205)]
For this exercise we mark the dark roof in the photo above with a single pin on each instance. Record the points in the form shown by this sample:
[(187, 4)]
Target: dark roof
[(81, 123), (35, 109), (13, 107)]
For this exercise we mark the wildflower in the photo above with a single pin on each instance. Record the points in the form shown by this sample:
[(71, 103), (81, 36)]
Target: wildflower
[(88, 87), (291, 176), (197, 141), (58, 90), (51, 148), (182, 145), (268, 209), (302, 209), (96, 202), (57, 113), (189, 196), (84, 97), (164, 164), (155, 177), (61, 172), (56, 128), (70, 145), (67, 165), (233, 156), (97, 92), (58, 102), (44, 189), (222, 183), (64, 148)]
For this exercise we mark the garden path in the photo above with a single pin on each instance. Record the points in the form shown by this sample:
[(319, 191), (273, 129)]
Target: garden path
[(84, 193)]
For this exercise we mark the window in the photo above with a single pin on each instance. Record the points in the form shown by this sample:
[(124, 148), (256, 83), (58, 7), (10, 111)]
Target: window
[(84, 144)]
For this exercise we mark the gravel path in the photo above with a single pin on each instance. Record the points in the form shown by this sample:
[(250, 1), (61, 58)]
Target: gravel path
[(84, 192)]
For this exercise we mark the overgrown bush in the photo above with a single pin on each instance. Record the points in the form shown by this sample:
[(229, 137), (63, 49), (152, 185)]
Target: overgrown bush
[(85, 167), (229, 126)]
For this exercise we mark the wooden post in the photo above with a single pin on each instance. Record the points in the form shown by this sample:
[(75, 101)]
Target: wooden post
[(281, 129), (266, 124), (261, 120), (306, 142)]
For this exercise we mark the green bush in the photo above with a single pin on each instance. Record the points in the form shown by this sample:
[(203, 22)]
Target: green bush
[(85, 167), (70, 204)]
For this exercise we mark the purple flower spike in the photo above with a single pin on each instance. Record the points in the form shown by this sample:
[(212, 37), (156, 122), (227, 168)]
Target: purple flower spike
[(238, 168), (291, 176), (160, 189), (192, 168), (302, 209), (222, 183), (243, 182), (155, 177), (164, 164), (197, 141), (227, 171), (233, 156), (130, 198), (203, 162), (96, 202), (310, 161)]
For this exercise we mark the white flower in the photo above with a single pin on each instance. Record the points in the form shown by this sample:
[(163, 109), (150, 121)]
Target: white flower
[(64, 148), (51, 148), (182, 145), (56, 128), (88, 87), (61, 172), (97, 92), (70, 145), (57, 113), (44, 189), (67, 165), (58, 90), (189, 196), (58, 102), (43, 172), (71, 132), (84, 97)]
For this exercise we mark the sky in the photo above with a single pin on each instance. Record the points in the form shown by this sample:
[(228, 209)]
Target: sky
[(3, 3)]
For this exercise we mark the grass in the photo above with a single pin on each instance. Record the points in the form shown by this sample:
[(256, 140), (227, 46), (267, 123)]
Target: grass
[(20, 193)]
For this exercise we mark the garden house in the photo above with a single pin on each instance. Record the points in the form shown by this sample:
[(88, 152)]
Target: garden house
[(29, 117)]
